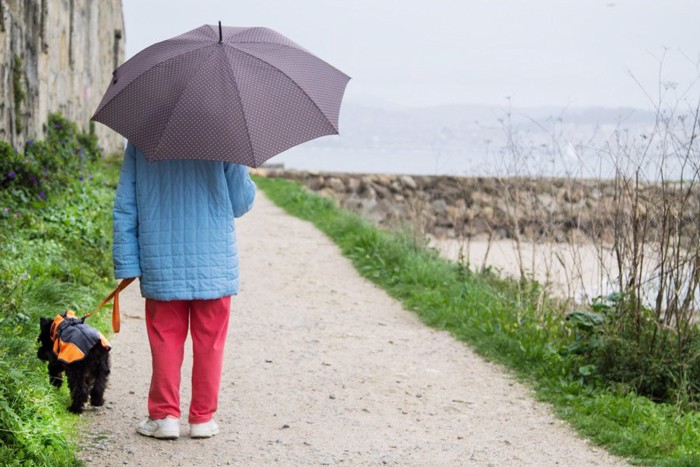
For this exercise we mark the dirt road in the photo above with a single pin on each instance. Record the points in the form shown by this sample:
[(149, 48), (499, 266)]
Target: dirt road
[(324, 368)]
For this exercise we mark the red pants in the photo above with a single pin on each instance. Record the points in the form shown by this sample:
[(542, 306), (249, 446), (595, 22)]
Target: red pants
[(167, 324)]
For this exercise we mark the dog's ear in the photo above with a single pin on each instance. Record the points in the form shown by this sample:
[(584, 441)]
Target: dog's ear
[(43, 327)]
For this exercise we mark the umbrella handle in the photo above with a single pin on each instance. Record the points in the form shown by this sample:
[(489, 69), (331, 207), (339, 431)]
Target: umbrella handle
[(220, 35)]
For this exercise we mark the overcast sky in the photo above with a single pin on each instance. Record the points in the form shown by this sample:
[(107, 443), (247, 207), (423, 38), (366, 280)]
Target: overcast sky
[(420, 52)]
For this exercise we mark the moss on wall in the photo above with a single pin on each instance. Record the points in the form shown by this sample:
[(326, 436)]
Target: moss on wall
[(18, 89)]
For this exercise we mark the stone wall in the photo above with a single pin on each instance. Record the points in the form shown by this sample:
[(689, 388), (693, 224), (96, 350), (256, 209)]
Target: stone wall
[(57, 56), (562, 210)]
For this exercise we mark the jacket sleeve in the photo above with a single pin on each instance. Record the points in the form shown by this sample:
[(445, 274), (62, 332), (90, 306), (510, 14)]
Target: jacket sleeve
[(126, 239), (241, 188)]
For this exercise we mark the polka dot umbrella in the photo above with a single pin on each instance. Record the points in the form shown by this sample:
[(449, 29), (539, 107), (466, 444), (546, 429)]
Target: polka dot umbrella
[(223, 93)]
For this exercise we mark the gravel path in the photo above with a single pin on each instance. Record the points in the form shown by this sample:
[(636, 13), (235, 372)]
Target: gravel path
[(323, 368)]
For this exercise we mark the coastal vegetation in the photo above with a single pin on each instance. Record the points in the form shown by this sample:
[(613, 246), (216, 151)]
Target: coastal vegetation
[(621, 369), (55, 254), (513, 322)]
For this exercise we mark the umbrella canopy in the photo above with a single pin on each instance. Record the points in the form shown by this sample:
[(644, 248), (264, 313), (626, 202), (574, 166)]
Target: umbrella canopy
[(233, 94)]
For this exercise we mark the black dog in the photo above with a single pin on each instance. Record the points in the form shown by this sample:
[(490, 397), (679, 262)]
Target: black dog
[(70, 345)]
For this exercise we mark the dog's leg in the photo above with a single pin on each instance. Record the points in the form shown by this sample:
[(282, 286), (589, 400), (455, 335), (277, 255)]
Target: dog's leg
[(77, 382), (56, 374), (101, 370)]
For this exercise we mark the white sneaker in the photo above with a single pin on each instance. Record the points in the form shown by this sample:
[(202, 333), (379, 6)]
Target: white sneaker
[(165, 428), (204, 430)]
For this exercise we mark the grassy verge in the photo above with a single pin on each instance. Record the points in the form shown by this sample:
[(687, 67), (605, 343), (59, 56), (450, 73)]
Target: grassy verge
[(501, 320), (55, 254)]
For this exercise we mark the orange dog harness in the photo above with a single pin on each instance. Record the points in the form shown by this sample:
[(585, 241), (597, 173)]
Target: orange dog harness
[(73, 339)]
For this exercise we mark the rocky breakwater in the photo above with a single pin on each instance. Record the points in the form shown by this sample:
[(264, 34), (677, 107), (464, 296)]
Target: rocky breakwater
[(562, 210)]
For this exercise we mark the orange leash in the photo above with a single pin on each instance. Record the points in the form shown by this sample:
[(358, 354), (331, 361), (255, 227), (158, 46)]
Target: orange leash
[(116, 318)]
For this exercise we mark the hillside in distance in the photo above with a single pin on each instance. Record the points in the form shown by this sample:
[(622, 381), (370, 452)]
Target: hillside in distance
[(479, 140), (451, 128)]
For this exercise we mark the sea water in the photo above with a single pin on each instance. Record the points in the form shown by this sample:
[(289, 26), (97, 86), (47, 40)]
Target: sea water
[(478, 161)]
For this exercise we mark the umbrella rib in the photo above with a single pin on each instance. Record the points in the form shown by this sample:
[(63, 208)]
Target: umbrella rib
[(146, 71), (286, 75), (184, 91), (215, 30), (240, 99), (248, 29)]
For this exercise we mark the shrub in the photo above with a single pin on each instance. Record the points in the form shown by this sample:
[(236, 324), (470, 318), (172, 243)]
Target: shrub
[(635, 352), (49, 165)]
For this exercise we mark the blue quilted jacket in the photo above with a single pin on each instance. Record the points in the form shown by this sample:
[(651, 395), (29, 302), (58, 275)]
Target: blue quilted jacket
[(173, 225)]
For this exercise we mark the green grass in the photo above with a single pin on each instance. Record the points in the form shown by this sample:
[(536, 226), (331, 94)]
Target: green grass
[(55, 254), (504, 322)]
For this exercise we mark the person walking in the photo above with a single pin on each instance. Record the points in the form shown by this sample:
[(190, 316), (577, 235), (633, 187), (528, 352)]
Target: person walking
[(174, 230)]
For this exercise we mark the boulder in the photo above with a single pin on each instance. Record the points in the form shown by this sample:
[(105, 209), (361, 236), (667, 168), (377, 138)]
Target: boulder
[(535, 209), (408, 182), (335, 184)]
